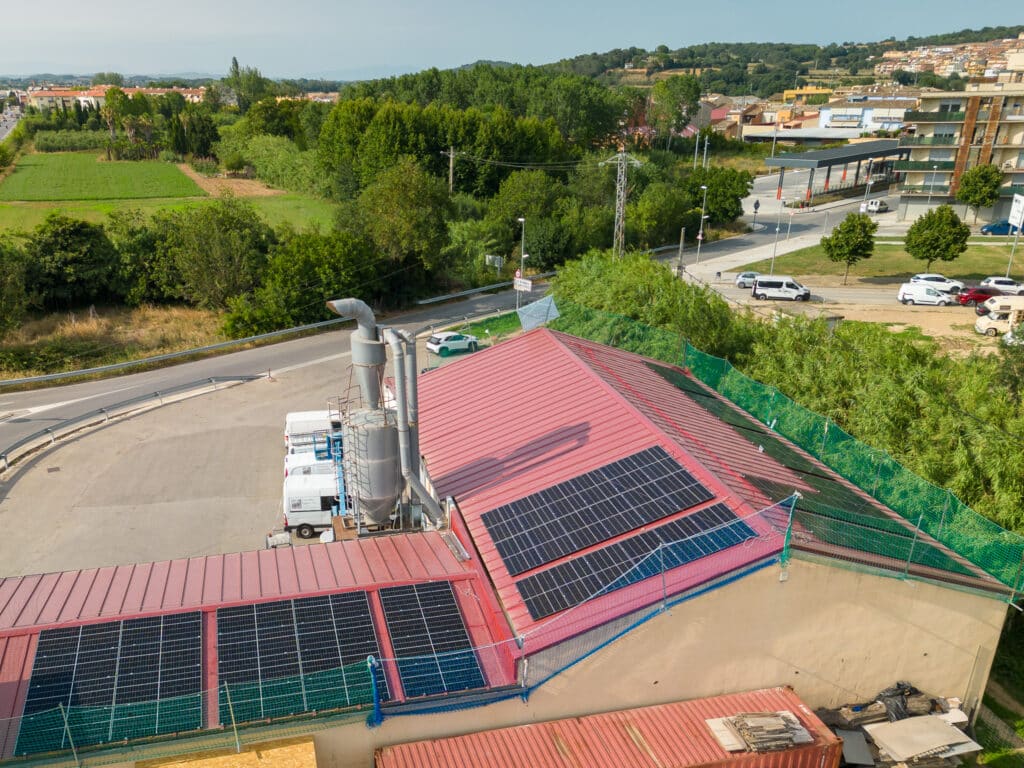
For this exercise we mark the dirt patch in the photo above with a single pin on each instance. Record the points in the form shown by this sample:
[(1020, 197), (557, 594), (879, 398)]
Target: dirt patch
[(952, 327), (219, 185)]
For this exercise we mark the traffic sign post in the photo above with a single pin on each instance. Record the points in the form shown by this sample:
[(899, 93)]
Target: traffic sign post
[(1016, 221)]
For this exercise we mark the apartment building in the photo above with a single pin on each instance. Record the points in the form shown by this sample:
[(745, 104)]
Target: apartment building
[(959, 130)]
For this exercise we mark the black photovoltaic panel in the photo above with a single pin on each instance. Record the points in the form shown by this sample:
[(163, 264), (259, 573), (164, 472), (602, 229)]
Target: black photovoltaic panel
[(623, 563), (118, 680), (294, 656), (431, 643), (592, 508)]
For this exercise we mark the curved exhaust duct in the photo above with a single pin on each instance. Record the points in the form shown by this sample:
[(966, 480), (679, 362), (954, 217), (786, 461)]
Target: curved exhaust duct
[(368, 352)]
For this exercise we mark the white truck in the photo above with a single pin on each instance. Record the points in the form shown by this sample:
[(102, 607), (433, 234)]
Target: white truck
[(306, 431), (308, 463), (1004, 314), (310, 503)]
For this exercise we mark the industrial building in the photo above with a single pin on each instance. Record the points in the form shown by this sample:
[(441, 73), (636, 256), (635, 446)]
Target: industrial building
[(603, 532)]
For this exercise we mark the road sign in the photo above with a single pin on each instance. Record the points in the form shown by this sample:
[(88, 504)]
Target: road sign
[(757, 205), (1017, 211), (522, 284)]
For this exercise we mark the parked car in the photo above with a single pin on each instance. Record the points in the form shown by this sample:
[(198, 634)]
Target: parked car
[(746, 279), (444, 344), (1001, 227), (920, 293), (779, 287), (1005, 284), (938, 282), (970, 297), (877, 206)]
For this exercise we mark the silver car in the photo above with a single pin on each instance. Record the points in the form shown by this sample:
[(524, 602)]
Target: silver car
[(746, 279)]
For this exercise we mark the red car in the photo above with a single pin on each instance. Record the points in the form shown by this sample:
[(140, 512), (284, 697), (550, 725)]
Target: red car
[(970, 297)]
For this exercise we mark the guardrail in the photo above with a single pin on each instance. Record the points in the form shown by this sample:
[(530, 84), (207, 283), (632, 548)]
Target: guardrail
[(169, 355), (75, 423)]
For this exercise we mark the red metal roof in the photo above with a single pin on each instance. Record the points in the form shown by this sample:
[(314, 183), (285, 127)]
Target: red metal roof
[(75, 597), (664, 736), (538, 410)]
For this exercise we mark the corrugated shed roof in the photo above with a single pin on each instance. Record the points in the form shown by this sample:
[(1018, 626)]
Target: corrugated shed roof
[(664, 736), (534, 412), (74, 597)]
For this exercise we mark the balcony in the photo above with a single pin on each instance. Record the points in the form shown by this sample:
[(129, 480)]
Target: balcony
[(928, 141), (924, 165), (926, 189), (934, 117)]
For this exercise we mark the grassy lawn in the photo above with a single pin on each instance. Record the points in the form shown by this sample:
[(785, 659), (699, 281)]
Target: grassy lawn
[(298, 210), (84, 176), (890, 263)]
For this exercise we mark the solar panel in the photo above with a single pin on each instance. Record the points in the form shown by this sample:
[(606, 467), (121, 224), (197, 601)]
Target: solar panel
[(117, 680), (626, 562), (591, 508), (294, 656), (434, 651)]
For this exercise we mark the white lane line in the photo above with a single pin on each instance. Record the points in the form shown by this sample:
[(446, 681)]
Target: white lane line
[(308, 363), (22, 412)]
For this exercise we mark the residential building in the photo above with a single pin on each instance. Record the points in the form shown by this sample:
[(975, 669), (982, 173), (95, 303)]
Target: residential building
[(869, 114), (958, 130), (806, 95)]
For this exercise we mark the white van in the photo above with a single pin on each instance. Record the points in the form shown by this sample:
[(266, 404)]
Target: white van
[(779, 287), (307, 463), (303, 430), (921, 293), (310, 501)]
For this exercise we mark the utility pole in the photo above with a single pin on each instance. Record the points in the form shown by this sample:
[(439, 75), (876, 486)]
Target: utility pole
[(622, 159), (451, 169)]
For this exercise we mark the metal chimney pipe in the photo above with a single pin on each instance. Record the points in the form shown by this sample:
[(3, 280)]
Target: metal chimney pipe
[(369, 354), (402, 403), (412, 392)]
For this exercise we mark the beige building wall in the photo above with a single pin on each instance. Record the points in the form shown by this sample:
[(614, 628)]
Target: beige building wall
[(835, 635)]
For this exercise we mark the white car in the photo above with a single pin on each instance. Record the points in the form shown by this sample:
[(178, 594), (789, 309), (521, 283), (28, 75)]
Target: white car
[(1004, 284), (938, 282), (444, 344), (746, 279)]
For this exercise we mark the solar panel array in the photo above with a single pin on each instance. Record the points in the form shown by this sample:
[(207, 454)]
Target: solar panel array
[(431, 643), (591, 508), (626, 562), (294, 656), (118, 680)]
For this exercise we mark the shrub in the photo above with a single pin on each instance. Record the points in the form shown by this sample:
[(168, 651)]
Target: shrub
[(205, 166), (69, 141), (170, 157)]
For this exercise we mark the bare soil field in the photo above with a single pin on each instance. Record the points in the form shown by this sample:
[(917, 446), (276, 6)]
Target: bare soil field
[(238, 187)]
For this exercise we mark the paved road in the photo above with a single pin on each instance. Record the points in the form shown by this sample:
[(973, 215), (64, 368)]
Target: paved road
[(22, 413)]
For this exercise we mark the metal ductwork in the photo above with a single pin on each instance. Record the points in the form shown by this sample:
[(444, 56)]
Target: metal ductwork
[(368, 352), (431, 507), (412, 393)]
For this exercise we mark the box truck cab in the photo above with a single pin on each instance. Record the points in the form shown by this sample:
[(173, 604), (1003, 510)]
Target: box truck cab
[(310, 501)]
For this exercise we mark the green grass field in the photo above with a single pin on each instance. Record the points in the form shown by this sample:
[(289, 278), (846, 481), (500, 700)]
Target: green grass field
[(84, 176), (891, 262), (298, 210)]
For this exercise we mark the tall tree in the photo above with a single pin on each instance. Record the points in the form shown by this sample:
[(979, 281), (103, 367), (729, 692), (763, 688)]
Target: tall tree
[(852, 241), (938, 235), (979, 187), (72, 262), (674, 103)]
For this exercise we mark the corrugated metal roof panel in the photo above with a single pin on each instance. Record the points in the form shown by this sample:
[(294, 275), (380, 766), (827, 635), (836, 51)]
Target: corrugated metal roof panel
[(664, 736), (16, 654), (45, 600)]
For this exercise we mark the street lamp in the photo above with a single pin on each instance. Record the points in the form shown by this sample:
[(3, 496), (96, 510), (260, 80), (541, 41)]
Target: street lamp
[(522, 256), (700, 233), (789, 229), (931, 187), (778, 229)]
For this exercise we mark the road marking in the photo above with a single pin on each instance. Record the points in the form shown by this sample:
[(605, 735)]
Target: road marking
[(308, 363), (41, 408)]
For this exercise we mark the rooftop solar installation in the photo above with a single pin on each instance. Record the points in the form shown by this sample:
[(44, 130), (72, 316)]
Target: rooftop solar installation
[(294, 656), (117, 680), (591, 508), (628, 561), (431, 643)]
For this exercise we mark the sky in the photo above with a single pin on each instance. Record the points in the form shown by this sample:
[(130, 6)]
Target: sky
[(358, 39)]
